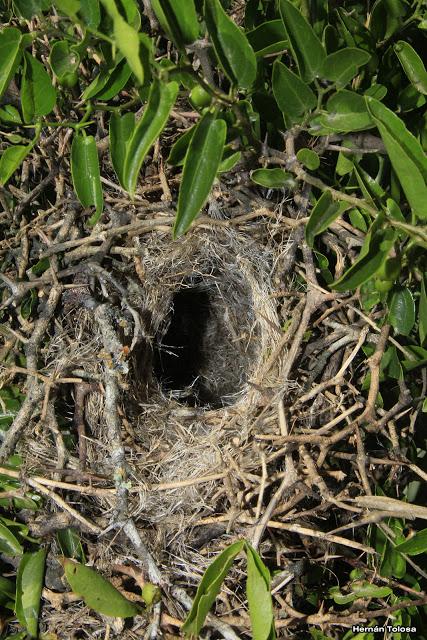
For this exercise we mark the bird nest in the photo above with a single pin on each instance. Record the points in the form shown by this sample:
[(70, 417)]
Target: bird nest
[(195, 325)]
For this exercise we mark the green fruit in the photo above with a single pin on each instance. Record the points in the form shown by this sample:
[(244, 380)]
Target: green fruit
[(199, 97), (69, 80), (383, 285), (390, 269)]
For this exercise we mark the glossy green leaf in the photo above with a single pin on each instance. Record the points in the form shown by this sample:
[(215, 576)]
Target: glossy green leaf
[(38, 96), (178, 20), (422, 313), (10, 55), (366, 589), (412, 65), (293, 96), (229, 160), (160, 102), (110, 76), (406, 155), (370, 187), (128, 43), (415, 545), (179, 148), (269, 37), (306, 47), (377, 91), (121, 130), (272, 178), (90, 12), (347, 112), (259, 597), (63, 60), (70, 544), (85, 172), (357, 220), (97, 592), (201, 165), (341, 66), (209, 588), (401, 314), (231, 46), (9, 544), (386, 18), (308, 158), (29, 585), (410, 98), (323, 215), (10, 160), (10, 114), (372, 256), (127, 39)]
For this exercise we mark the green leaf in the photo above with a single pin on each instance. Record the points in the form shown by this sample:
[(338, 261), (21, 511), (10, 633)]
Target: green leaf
[(344, 164), (63, 60), (422, 313), (323, 214), (386, 18), (10, 55), (38, 96), (179, 148), (178, 20), (293, 96), (272, 178), (29, 585), (306, 47), (406, 155), (121, 130), (347, 112), (201, 165), (28, 303), (70, 545), (231, 46), (108, 83), (127, 39), (97, 592), (269, 37), (308, 158), (415, 545), (229, 160), (401, 313), (412, 65), (357, 220), (90, 12), (371, 258), (368, 590), (10, 114), (128, 43), (209, 588), (85, 173), (10, 160), (259, 597), (29, 8), (341, 66), (9, 544), (68, 7), (160, 102)]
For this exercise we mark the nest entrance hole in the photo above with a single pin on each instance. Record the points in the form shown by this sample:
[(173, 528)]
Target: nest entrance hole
[(186, 352), (180, 353)]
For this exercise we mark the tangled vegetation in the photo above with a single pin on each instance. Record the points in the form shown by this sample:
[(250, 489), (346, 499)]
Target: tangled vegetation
[(268, 158)]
